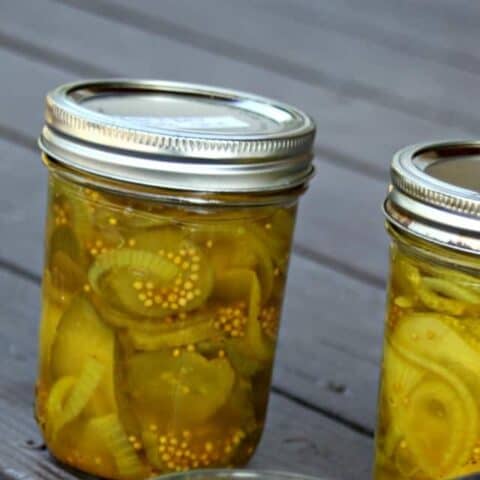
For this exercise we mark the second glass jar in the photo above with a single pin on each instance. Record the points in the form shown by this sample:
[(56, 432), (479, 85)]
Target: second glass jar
[(429, 404)]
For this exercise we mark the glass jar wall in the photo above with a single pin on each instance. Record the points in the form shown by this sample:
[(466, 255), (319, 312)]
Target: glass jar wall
[(158, 330)]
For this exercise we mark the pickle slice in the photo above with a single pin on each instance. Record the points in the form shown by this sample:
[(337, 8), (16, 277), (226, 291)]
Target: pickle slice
[(253, 347), (235, 246), (73, 207), (178, 387), (441, 425), (263, 264), (121, 277), (450, 289), (82, 336), (239, 409), (164, 275), (406, 277), (440, 295), (457, 276), (118, 319), (439, 303), (65, 260), (51, 315), (128, 463), (276, 233), (444, 403), (80, 445), (79, 396), (194, 282), (195, 328), (242, 358), (69, 205), (400, 376), (470, 326), (55, 403), (436, 339)]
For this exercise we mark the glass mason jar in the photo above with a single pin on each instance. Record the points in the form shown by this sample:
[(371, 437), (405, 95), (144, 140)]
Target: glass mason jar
[(170, 218), (429, 406)]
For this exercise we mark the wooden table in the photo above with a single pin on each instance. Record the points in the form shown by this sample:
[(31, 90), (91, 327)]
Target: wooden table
[(375, 74)]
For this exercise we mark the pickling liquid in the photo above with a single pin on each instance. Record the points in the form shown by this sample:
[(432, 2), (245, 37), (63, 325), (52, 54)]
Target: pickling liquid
[(429, 407), (158, 331)]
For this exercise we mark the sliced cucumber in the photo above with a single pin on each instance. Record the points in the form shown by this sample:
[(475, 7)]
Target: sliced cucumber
[(72, 206), (57, 397), (163, 275), (234, 245), (82, 336), (243, 250), (79, 445), (120, 277), (452, 290), (195, 328), (446, 402), (276, 232), (65, 260), (243, 285), (51, 315), (437, 339), (241, 357), (195, 279), (121, 320), (239, 409), (400, 376), (439, 303), (79, 396), (128, 463), (182, 389), (449, 426)]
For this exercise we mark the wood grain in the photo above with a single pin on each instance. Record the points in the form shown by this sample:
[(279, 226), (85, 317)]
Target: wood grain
[(351, 131), (450, 25), (440, 31), (330, 59)]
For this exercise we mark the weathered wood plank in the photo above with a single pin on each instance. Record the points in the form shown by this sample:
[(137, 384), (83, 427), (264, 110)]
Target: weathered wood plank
[(352, 132), (410, 27), (315, 56), (340, 332), (22, 207), (452, 25), (296, 438)]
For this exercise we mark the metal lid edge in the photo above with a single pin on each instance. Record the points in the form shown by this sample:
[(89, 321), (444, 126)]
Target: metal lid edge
[(68, 117), (83, 162)]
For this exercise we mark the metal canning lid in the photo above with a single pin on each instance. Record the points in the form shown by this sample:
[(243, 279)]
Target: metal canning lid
[(178, 135), (435, 193)]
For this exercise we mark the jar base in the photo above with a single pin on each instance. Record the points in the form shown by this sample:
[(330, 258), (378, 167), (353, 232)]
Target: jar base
[(242, 461)]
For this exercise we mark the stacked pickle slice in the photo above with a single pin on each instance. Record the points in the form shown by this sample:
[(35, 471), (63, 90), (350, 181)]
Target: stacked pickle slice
[(429, 420), (158, 331)]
